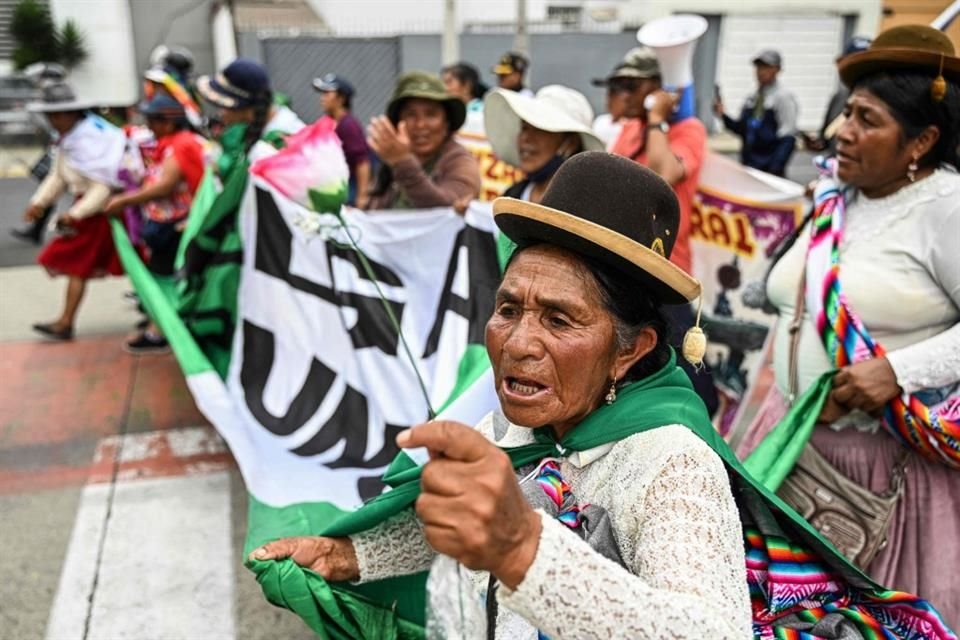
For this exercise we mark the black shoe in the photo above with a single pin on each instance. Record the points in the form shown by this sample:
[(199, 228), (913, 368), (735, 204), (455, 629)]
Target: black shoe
[(145, 343), (48, 331), (32, 234)]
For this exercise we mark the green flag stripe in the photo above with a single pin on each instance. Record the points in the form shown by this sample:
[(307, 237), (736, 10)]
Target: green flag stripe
[(160, 307)]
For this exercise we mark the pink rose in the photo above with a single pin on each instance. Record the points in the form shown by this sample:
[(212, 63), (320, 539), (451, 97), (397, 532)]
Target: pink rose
[(311, 169)]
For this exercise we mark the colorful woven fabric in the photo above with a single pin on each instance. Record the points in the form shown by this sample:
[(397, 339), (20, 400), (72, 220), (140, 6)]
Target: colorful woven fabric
[(558, 491), (786, 579), (932, 432), (178, 91)]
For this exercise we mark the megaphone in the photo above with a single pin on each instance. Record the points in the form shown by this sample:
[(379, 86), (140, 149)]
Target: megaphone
[(674, 39)]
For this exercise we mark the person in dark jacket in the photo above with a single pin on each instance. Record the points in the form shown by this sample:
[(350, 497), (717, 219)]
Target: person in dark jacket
[(768, 121)]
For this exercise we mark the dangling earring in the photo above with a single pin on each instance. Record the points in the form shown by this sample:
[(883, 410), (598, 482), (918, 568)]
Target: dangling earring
[(612, 394), (912, 169)]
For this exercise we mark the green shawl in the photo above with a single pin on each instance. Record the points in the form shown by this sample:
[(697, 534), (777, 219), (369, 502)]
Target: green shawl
[(395, 608)]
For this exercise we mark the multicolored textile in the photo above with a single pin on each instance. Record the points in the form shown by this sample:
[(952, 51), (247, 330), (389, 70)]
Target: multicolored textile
[(177, 88), (186, 149), (786, 579), (933, 432), (558, 491)]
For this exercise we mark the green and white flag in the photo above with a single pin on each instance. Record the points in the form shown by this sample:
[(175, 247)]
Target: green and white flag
[(317, 382)]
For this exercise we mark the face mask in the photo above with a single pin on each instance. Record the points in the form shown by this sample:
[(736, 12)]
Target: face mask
[(546, 171)]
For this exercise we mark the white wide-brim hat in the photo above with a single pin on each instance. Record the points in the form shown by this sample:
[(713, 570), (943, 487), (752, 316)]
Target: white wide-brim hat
[(554, 108), (59, 97)]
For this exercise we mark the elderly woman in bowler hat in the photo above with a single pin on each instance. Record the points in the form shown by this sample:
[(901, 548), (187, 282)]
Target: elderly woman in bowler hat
[(894, 183), (422, 165), (87, 164), (598, 502)]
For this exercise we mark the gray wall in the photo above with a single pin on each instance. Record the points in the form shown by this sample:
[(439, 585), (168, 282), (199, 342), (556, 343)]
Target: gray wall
[(372, 65), (184, 23)]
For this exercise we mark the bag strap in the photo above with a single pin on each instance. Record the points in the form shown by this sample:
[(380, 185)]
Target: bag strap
[(794, 330)]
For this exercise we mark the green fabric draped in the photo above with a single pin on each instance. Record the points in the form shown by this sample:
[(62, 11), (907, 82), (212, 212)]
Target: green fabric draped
[(665, 398), (773, 459), (211, 254)]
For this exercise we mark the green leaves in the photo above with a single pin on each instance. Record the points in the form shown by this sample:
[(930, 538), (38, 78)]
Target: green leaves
[(33, 31), (38, 39), (71, 48)]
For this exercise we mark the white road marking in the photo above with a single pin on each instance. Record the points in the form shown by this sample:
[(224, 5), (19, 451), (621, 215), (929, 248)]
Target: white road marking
[(167, 569)]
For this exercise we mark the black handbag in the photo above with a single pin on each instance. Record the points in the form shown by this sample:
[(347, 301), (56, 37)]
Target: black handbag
[(41, 168)]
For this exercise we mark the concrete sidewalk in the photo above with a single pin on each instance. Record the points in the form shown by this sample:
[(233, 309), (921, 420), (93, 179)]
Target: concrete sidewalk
[(122, 513)]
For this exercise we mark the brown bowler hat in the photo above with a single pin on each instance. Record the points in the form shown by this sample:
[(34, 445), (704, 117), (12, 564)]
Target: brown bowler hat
[(911, 46), (612, 209)]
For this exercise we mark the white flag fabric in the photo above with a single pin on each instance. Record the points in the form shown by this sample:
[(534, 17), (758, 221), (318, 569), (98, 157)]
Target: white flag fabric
[(319, 383)]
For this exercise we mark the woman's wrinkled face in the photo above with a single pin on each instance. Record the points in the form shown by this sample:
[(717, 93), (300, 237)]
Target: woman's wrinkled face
[(536, 147), (870, 148), (426, 122), (551, 341)]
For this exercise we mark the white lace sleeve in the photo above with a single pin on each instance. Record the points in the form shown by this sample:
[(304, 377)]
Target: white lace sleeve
[(930, 363), (395, 547), (687, 577)]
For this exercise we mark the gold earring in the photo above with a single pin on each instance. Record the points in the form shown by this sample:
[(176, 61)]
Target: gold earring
[(912, 170), (612, 394)]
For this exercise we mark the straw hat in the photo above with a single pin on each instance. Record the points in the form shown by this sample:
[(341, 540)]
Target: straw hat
[(554, 108)]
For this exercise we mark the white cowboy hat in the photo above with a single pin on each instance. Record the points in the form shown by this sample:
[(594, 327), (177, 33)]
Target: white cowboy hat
[(554, 108), (59, 97)]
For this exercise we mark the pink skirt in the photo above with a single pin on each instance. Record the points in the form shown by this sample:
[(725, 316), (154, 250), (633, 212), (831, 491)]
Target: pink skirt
[(923, 553)]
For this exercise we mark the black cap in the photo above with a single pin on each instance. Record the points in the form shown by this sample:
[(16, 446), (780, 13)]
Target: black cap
[(333, 82)]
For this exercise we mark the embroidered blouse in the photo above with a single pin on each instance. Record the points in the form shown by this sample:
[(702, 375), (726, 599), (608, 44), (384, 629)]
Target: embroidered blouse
[(675, 522), (900, 270)]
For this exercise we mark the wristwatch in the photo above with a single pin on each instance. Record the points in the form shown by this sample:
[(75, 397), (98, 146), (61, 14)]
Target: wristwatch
[(662, 126)]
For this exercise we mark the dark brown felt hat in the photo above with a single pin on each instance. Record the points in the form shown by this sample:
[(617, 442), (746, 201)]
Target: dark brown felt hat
[(910, 46), (612, 209)]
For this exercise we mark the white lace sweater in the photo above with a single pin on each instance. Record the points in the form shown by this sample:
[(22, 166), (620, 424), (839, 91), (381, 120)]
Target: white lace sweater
[(677, 527), (900, 270)]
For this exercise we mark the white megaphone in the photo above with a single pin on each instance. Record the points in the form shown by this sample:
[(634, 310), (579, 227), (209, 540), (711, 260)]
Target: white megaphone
[(674, 39)]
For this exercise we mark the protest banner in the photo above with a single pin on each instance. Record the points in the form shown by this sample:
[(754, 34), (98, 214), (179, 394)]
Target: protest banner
[(740, 216)]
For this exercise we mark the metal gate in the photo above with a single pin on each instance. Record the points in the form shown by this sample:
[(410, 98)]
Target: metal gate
[(371, 65)]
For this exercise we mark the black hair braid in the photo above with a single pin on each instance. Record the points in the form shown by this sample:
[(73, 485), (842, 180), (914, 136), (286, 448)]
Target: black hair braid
[(261, 113)]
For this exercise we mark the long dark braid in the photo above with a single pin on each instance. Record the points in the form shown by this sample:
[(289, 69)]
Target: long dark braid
[(263, 101)]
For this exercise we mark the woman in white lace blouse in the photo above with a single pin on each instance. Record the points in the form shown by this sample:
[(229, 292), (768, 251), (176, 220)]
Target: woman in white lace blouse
[(600, 503)]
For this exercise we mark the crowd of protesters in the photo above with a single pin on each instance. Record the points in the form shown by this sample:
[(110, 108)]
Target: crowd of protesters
[(894, 134)]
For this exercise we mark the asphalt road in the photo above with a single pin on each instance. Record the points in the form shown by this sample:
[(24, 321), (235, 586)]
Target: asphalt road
[(14, 195)]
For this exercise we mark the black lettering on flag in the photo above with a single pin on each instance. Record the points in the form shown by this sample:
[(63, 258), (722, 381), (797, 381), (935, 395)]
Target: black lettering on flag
[(348, 421), (258, 360), (273, 257), (484, 278)]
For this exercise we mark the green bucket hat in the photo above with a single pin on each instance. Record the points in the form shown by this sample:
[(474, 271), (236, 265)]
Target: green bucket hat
[(420, 84)]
